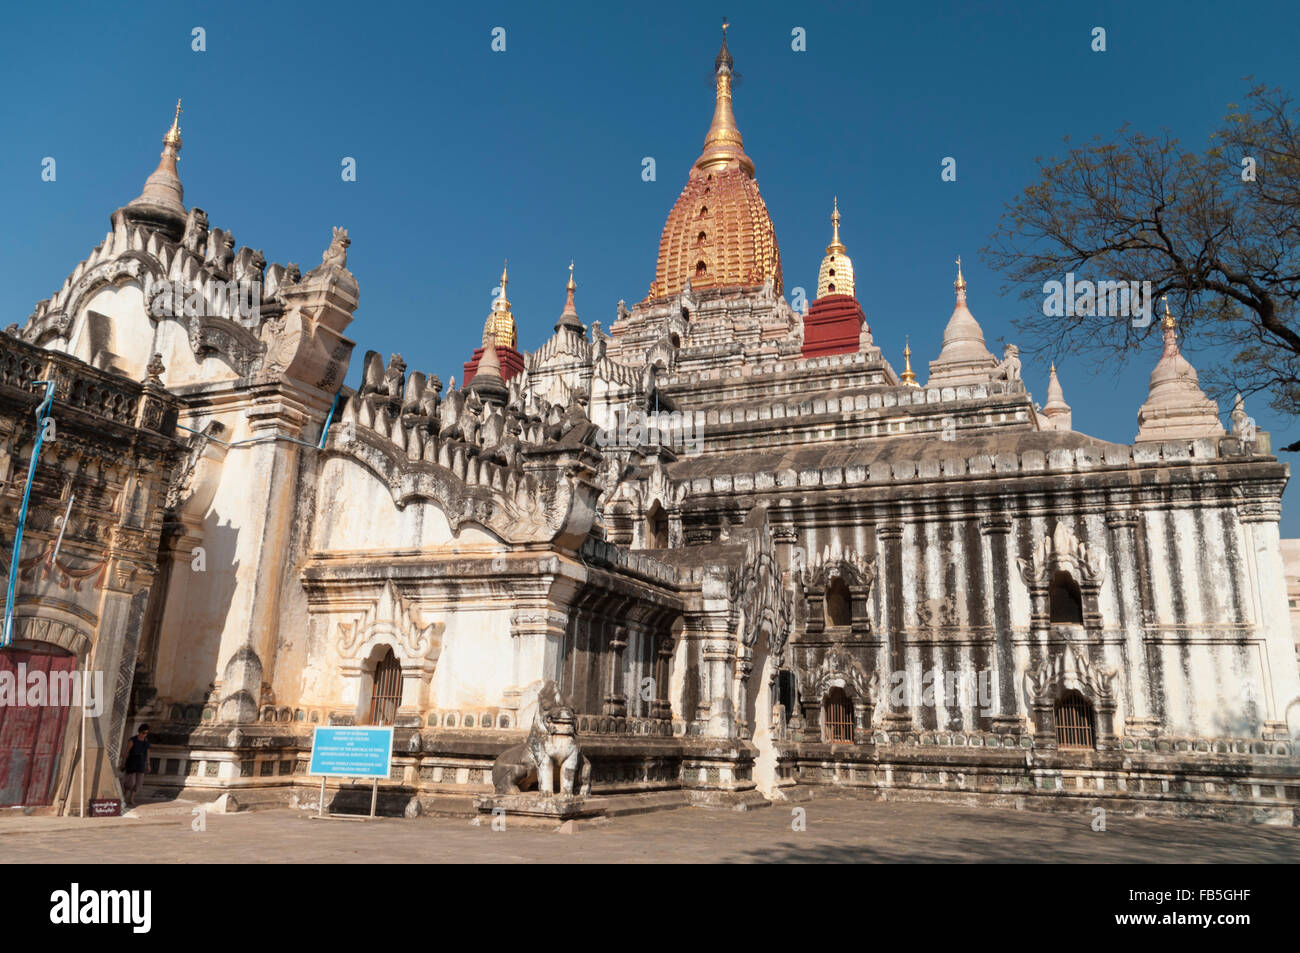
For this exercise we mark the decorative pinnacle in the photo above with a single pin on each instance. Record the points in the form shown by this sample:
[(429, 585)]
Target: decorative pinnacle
[(504, 281), (1168, 322), (172, 137), (909, 377), (724, 54), (836, 245), (571, 286), (960, 283)]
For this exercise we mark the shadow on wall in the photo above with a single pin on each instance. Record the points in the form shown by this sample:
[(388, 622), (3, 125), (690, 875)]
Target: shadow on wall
[(191, 642)]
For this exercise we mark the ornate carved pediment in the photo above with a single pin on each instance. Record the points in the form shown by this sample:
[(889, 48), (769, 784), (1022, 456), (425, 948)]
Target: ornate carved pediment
[(393, 619), (832, 563), (1061, 551), (839, 669), (1065, 669)]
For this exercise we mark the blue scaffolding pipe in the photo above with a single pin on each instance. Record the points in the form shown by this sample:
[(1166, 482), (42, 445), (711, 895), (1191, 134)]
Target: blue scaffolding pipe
[(325, 432), (42, 414)]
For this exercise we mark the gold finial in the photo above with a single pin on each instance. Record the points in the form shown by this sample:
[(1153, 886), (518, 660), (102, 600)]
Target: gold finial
[(571, 286), (172, 137), (836, 246), (504, 281), (723, 145), (725, 24), (1168, 323), (909, 378), (960, 283), (1053, 369)]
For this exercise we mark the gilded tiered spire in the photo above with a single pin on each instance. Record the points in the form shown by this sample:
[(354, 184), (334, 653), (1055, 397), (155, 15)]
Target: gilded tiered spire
[(836, 274), (960, 284), (909, 378), (719, 233), (499, 329)]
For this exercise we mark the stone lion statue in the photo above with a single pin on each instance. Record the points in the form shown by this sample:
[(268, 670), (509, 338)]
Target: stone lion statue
[(552, 740)]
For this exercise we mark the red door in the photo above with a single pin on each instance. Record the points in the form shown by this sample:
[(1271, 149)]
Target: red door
[(31, 736)]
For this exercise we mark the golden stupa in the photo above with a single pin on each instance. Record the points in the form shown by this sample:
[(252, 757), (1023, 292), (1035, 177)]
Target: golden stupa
[(499, 328), (836, 274), (718, 234)]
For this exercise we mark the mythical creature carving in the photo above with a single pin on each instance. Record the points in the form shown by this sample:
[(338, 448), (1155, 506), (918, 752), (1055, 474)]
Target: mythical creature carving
[(220, 250), (336, 256), (1009, 368), (196, 231), (552, 741), (249, 265)]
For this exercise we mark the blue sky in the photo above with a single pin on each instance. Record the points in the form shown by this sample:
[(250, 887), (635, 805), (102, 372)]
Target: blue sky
[(466, 156)]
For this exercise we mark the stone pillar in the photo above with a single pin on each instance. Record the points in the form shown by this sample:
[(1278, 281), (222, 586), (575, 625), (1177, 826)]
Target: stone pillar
[(661, 707), (889, 547), (615, 698), (994, 530), (1127, 573)]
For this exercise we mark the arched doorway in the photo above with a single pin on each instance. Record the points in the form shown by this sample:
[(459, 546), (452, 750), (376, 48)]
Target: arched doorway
[(32, 732)]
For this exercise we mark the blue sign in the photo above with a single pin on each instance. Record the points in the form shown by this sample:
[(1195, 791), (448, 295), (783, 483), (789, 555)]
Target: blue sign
[(339, 752)]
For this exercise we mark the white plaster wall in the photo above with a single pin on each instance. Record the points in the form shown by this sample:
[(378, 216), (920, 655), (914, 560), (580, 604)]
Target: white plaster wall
[(134, 338)]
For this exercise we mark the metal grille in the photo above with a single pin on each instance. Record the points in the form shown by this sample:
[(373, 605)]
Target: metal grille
[(1074, 722), (838, 718), (386, 693)]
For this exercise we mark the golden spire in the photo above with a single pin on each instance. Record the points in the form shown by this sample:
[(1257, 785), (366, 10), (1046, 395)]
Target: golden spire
[(836, 245), (1168, 322), (909, 378), (172, 137), (571, 286), (499, 328), (723, 146), (836, 274), (960, 283)]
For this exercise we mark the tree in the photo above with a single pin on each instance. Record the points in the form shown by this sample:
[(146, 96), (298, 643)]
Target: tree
[(1217, 231)]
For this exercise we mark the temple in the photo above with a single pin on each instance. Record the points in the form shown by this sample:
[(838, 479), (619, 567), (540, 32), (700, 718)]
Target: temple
[(725, 542)]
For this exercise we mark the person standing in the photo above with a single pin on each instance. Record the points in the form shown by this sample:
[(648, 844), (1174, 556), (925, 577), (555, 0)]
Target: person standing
[(136, 765)]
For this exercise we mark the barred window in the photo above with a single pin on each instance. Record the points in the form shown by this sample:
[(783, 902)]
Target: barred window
[(837, 717), (386, 691), (1075, 722)]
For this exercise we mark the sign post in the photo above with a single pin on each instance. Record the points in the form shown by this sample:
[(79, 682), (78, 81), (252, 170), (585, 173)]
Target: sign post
[(339, 751)]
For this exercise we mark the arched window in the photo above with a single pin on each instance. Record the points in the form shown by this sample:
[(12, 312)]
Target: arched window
[(785, 691), (386, 690), (701, 238), (837, 718), (675, 340), (656, 527), (830, 289), (1076, 724), (839, 605), (700, 269), (1064, 599), (704, 210)]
